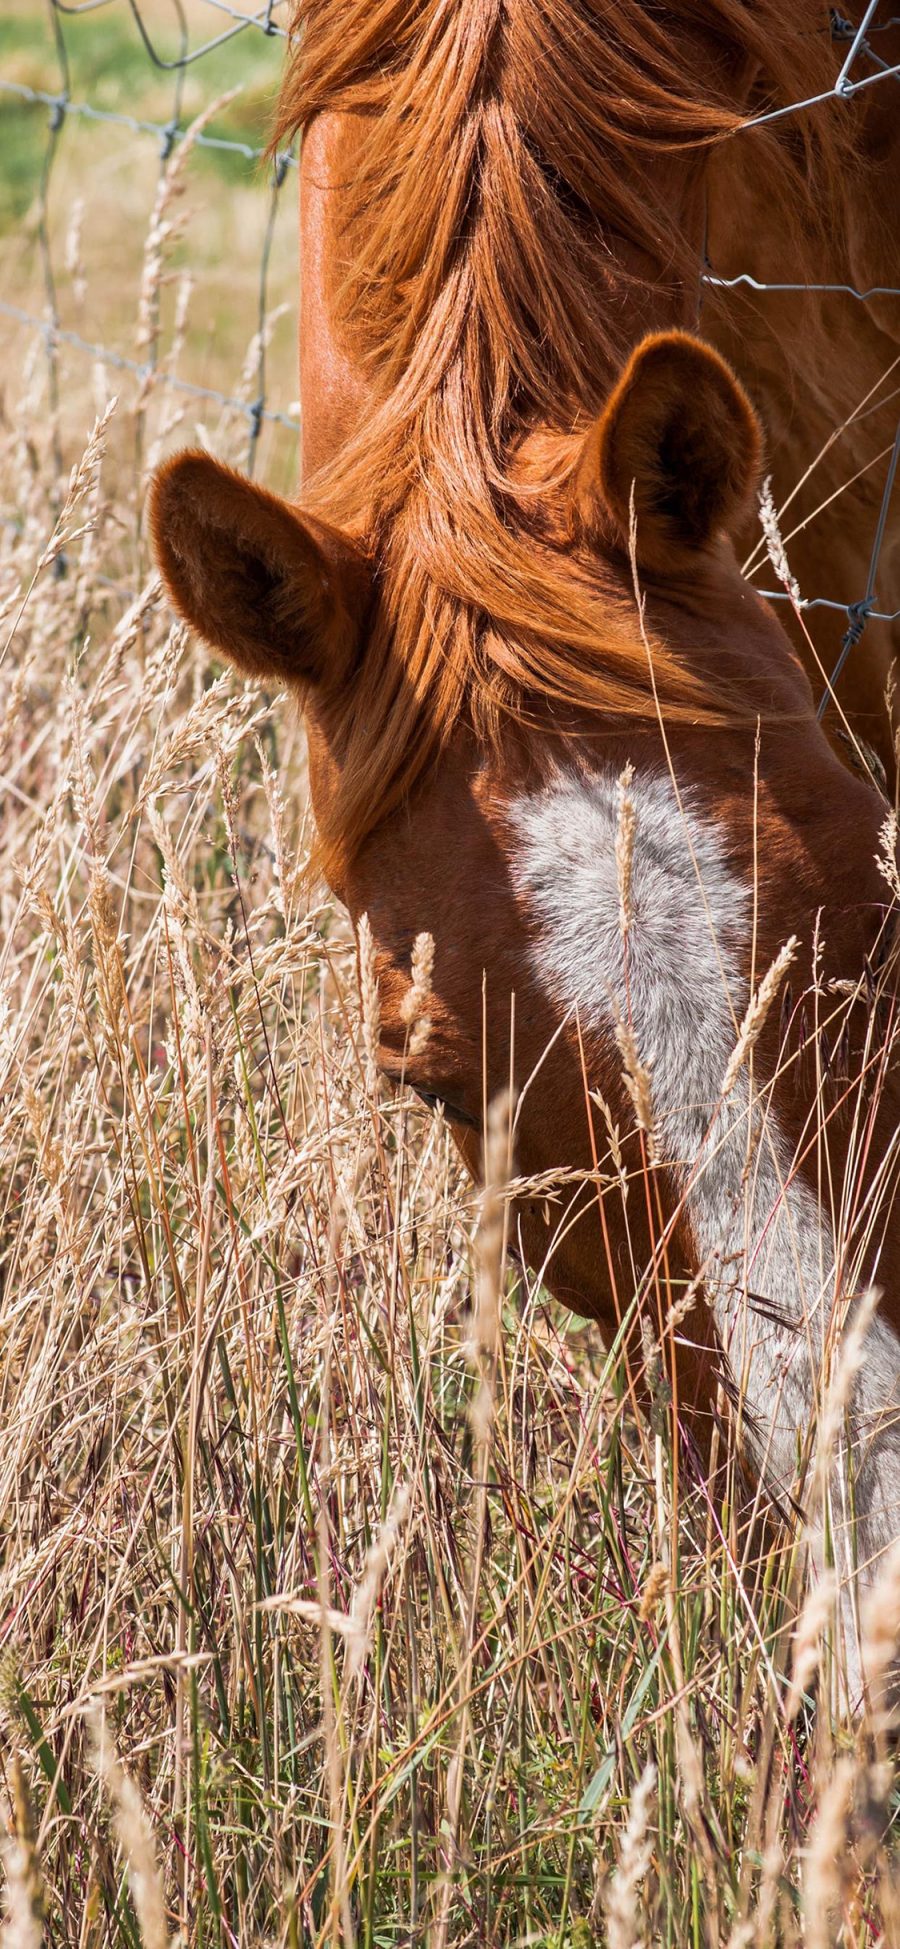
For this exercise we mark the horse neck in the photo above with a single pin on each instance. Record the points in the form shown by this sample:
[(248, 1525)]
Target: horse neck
[(333, 390)]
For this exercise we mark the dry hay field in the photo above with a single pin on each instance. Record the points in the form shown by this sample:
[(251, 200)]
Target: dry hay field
[(342, 1599)]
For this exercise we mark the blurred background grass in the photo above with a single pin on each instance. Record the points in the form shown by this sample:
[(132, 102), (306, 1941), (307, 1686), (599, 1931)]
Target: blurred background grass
[(86, 192)]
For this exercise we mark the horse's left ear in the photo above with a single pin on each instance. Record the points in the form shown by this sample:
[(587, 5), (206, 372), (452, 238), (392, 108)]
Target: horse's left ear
[(279, 592), (680, 434)]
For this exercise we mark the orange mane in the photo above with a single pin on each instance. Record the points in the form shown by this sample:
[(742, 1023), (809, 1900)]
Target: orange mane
[(504, 226)]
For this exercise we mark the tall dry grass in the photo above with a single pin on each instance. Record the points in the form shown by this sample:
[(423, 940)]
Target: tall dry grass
[(343, 1600)]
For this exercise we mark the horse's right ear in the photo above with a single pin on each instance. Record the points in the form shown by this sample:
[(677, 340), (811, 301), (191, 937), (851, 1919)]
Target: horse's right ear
[(680, 443), (281, 594)]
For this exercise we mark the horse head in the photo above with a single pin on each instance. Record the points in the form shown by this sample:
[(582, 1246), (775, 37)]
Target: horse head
[(609, 892)]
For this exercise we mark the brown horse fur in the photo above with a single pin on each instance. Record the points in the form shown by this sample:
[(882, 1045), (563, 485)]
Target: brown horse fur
[(676, 452), (507, 179), (432, 660), (455, 604), (499, 199)]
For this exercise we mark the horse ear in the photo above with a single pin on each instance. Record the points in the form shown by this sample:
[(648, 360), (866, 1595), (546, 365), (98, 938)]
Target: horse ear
[(680, 433), (281, 594)]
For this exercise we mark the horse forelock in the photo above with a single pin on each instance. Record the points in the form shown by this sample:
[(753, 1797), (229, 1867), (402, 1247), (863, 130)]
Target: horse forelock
[(500, 237)]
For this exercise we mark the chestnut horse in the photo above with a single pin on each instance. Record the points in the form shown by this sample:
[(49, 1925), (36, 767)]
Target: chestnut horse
[(549, 721), (544, 182)]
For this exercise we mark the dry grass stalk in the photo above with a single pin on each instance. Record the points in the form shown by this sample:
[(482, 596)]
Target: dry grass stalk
[(806, 1654), (85, 475), (325, 1617), (756, 1928), (880, 1622), (625, 832), (287, 872), (638, 1083), (843, 1381), (482, 1349), (680, 1308), (73, 257), (690, 1782), (129, 632), (625, 1929), (775, 549), (83, 483), (370, 1001), (248, 384), (164, 230), (414, 1007), (135, 1835), (490, 1240), (756, 1014), (825, 1868), (887, 856), (653, 1592), (23, 1927), (613, 1139), (341, 1915), (379, 1558)]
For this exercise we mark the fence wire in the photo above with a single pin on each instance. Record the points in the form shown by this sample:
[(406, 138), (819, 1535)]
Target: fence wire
[(862, 69), (61, 105)]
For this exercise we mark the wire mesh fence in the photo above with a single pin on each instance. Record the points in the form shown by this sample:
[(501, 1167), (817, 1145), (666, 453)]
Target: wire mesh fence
[(93, 67), (176, 55)]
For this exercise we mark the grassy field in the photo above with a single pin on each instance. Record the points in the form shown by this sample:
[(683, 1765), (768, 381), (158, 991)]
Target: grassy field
[(343, 1601), (77, 204)]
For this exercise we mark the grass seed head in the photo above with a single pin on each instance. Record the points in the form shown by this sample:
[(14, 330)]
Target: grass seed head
[(625, 1927), (135, 1834)]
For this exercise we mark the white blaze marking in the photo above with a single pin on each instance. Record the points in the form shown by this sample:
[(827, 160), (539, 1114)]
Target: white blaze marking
[(757, 1227)]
